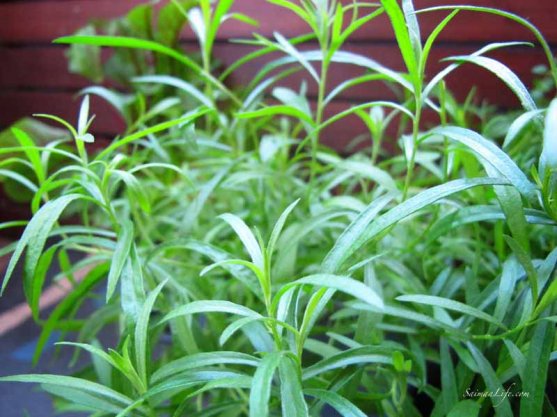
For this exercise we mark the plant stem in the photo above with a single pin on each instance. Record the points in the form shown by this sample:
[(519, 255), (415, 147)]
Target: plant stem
[(319, 114)]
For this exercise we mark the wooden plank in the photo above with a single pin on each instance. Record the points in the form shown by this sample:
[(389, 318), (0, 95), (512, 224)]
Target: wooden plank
[(42, 68), (41, 22), (6, 258), (37, 67)]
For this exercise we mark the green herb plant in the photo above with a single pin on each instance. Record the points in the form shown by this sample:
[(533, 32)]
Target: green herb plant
[(250, 270)]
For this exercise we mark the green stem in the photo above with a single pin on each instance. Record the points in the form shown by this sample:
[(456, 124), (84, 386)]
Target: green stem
[(319, 116), (443, 117)]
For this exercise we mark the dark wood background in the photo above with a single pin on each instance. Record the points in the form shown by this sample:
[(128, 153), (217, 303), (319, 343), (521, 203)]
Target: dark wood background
[(34, 78)]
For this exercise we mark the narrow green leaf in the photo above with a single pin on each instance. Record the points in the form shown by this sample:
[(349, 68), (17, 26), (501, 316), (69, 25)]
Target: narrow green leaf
[(501, 406), (135, 188), (35, 234), (432, 38), (291, 394), (135, 43), (188, 118), (120, 256), (549, 297), (292, 7), (536, 369), (413, 27), (202, 360), (441, 75), (339, 403), (548, 157), (193, 210), (366, 227), (247, 237), (505, 74), (284, 110), (141, 336), (210, 306), (219, 256), (279, 225), (509, 278), (179, 84), (33, 285), (32, 153), (81, 385), (289, 49), (450, 305), (361, 356), (449, 383), (119, 101), (489, 154), (474, 214), (518, 126), (465, 408), (526, 261), (260, 392), (404, 41), (340, 283), (233, 327), (70, 302)]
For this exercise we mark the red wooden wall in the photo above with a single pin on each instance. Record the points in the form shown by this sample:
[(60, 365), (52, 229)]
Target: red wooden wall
[(33, 75)]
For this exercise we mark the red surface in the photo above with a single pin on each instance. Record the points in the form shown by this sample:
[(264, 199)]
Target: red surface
[(42, 21), (34, 77)]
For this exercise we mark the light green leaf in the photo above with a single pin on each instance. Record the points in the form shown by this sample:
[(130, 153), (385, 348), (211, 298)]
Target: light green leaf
[(405, 43), (135, 43), (279, 225), (247, 237), (548, 158), (501, 406), (78, 384), (141, 335), (291, 394), (366, 227), (120, 256), (465, 408), (536, 369), (260, 392), (518, 126), (489, 154), (361, 356), (339, 403), (35, 234), (32, 153), (179, 84), (117, 100), (340, 283), (450, 305), (188, 118), (210, 306), (505, 74), (284, 110), (413, 27), (202, 360)]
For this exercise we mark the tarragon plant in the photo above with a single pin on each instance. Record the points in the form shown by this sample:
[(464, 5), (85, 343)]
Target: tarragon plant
[(250, 270)]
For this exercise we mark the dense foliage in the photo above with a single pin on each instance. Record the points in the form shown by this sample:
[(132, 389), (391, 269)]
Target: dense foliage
[(251, 271)]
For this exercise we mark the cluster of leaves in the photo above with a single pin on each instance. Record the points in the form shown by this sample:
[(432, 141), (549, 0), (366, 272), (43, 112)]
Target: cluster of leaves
[(249, 270)]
